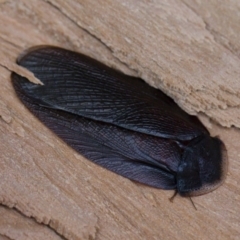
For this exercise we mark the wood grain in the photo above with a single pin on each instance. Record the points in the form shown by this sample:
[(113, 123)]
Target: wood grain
[(189, 49)]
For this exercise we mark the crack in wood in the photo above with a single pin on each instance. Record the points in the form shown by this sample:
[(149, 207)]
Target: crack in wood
[(15, 208)]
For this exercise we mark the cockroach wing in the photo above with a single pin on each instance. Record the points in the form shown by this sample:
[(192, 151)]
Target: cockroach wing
[(140, 157), (80, 85)]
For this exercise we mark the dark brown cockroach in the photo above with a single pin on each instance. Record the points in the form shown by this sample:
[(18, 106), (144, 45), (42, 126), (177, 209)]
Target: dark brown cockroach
[(120, 122)]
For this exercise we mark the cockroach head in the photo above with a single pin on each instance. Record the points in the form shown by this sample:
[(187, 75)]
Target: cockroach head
[(203, 166)]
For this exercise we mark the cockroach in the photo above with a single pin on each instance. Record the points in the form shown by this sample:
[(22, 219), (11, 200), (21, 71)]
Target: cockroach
[(120, 122)]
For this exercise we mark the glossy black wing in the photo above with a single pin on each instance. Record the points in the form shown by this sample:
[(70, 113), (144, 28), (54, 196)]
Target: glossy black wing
[(137, 156), (78, 84)]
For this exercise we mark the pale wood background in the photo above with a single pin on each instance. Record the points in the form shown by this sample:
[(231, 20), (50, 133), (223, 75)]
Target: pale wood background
[(189, 49)]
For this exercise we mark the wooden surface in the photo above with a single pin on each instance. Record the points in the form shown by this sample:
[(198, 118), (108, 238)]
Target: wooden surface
[(189, 49)]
